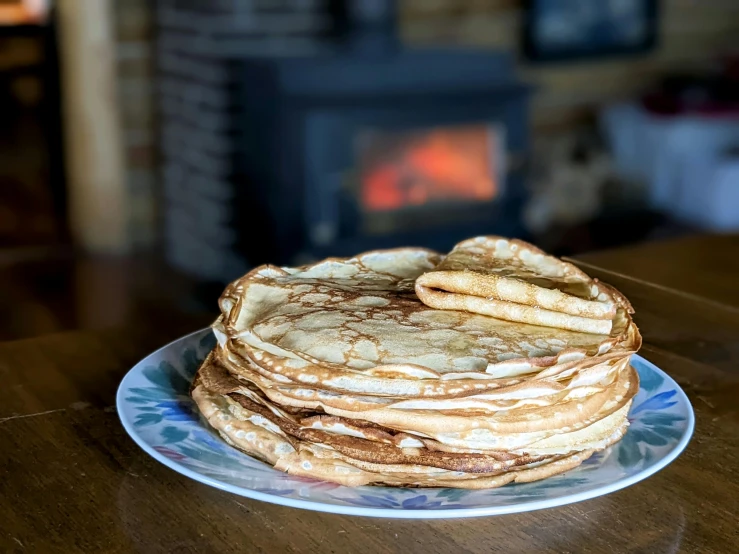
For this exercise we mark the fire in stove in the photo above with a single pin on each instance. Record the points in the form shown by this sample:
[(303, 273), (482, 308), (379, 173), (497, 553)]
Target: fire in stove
[(404, 169)]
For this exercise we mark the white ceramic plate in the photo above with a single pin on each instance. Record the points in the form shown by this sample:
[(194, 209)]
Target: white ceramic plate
[(156, 410)]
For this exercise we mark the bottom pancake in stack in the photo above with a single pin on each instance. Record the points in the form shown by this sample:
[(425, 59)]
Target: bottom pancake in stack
[(356, 452)]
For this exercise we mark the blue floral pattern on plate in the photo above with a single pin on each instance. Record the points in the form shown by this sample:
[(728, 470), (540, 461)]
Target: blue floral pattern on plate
[(157, 411)]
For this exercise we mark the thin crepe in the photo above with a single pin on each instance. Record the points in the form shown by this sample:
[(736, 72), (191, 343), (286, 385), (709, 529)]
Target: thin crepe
[(355, 326), (256, 436), (338, 371), (354, 452), (546, 417), (515, 281)]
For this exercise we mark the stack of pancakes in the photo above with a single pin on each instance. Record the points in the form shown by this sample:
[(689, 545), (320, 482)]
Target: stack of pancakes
[(493, 364)]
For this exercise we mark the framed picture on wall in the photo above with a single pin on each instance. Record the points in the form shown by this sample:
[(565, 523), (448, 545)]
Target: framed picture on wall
[(556, 30)]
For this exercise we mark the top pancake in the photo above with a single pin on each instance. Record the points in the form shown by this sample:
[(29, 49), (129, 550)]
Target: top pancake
[(356, 326), (513, 280)]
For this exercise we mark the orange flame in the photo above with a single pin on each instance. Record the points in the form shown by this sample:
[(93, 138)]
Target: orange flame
[(440, 165)]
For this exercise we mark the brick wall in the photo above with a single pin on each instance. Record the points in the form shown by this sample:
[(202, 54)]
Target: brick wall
[(134, 26), (692, 32)]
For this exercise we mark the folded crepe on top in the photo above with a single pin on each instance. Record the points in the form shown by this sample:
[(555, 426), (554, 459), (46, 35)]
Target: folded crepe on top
[(515, 281)]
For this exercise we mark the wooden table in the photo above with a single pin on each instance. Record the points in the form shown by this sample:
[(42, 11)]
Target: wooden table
[(72, 480)]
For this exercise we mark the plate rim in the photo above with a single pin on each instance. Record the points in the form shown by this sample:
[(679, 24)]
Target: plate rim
[(394, 513)]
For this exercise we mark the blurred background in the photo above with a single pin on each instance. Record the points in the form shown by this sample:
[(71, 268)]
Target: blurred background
[(159, 149)]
